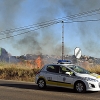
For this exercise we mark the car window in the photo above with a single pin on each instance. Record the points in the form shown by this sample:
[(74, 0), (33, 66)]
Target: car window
[(64, 70), (79, 69), (53, 68)]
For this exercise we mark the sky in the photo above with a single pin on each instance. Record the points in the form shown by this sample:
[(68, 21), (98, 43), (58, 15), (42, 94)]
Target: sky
[(18, 14)]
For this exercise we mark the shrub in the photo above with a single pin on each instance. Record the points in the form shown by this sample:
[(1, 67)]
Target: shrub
[(17, 72)]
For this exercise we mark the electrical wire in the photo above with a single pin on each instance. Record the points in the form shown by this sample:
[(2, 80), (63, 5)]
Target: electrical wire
[(52, 22), (71, 17), (32, 27), (83, 21), (26, 31), (47, 26)]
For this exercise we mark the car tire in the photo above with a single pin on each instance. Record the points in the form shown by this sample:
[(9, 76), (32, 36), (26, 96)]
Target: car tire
[(80, 87), (41, 83)]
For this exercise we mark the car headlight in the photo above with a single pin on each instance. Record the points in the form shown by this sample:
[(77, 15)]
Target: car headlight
[(90, 79)]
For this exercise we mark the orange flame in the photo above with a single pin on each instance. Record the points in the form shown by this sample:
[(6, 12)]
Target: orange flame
[(39, 62), (29, 63)]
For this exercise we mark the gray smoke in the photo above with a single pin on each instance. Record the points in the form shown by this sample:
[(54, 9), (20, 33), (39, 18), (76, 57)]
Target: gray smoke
[(8, 12), (44, 40), (48, 43)]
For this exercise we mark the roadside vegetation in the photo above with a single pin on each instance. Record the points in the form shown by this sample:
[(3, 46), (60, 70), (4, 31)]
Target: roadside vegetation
[(22, 72), (94, 69), (19, 72)]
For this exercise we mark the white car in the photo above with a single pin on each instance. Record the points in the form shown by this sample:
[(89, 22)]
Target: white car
[(68, 76)]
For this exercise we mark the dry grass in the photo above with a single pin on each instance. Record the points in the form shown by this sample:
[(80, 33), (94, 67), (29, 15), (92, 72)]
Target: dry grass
[(95, 69), (22, 72), (17, 72)]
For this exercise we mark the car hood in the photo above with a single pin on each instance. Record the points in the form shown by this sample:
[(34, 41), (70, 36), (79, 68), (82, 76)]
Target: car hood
[(91, 75)]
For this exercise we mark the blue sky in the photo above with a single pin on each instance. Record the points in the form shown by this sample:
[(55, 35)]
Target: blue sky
[(20, 13)]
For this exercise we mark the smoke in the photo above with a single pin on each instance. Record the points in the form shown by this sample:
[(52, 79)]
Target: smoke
[(8, 12), (35, 43), (48, 40), (48, 44), (9, 9), (87, 32), (29, 44)]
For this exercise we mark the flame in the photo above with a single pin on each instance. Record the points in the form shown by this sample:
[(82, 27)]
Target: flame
[(39, 62), (29, 63)]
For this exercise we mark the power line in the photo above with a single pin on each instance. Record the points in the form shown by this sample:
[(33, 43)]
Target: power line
[(18, 29), (83, 21), (71, 17), (26, 32), (51, 22), (47, 26)]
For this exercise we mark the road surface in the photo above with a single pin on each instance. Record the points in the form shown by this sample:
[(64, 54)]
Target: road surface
[(13, 90)]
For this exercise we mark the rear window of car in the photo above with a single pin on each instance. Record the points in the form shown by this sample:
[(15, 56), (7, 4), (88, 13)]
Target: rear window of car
[(53, 68)]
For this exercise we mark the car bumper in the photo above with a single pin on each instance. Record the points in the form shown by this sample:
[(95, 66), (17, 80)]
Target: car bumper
[(93, 86)]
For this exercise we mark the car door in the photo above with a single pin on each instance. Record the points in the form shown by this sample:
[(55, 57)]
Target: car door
[(65, 77), (52, 74)]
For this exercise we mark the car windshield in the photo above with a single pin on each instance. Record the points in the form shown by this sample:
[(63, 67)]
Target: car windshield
[(78, 69)]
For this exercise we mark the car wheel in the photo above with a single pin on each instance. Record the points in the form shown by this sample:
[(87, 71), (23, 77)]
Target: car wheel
[(41, 83), (80, 87)]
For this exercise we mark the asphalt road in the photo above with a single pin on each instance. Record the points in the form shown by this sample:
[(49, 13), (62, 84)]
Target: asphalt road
[(13, 90)]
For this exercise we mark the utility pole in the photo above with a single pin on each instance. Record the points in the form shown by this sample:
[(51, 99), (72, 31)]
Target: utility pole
[(62, 40)]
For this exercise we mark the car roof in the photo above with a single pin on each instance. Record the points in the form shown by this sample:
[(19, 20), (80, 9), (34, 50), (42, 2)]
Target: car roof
[(59, 64)]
